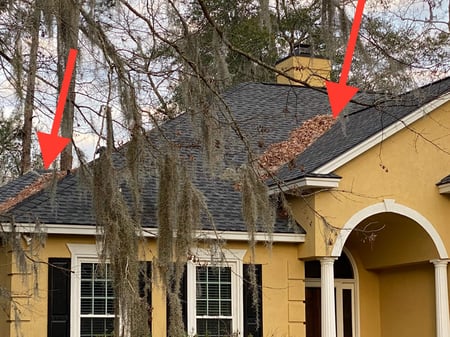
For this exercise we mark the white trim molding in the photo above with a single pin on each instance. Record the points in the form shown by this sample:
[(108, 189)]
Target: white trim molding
[(389, 205), (306, 183), (382, 135), (444, 188), (217, 257), (153, 232), (80, 253)]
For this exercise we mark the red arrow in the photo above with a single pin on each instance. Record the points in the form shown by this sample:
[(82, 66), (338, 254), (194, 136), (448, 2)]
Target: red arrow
[(51, 144), (340, 93)]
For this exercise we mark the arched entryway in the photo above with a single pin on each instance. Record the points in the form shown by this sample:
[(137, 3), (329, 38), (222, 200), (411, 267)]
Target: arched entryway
[(403, 267)]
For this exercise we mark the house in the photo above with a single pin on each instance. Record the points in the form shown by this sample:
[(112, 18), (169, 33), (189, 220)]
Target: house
[(368, 256)]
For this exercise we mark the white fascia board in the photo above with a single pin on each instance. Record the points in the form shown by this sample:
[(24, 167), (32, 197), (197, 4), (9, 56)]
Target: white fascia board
[(444, 188), (305, 183), (382, 135), (152, 232)]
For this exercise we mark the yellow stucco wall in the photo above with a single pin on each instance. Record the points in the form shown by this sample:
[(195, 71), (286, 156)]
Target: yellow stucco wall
[(412, 167), (5, 282), (407, 301), (282, 281)]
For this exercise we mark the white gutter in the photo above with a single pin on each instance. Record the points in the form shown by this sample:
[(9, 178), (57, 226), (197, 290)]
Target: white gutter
[(62, 229)]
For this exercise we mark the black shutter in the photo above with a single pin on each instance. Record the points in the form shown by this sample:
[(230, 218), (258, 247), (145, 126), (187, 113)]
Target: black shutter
[(58, 297), (183, 299), (252, 316), (145, 288)]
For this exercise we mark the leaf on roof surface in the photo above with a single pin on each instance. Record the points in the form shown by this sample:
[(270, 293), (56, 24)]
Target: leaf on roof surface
[(30, 190), (299, 140)]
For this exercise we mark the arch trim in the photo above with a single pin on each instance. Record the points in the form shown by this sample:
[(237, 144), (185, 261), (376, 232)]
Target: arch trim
[(389, 205)]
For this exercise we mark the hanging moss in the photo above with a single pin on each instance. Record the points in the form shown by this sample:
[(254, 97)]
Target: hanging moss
[(119, 244), (179, 211)]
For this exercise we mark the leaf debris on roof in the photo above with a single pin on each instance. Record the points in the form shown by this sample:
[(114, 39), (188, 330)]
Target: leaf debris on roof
[(30, 190), (299, 140)]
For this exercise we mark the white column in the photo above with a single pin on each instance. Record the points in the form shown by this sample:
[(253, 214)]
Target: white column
[(441, 286), (328, 310)]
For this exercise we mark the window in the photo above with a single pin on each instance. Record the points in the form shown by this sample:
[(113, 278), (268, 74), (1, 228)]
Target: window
[(92, 297), (91, 294), (213, 307), (96, 301), (217, 310)]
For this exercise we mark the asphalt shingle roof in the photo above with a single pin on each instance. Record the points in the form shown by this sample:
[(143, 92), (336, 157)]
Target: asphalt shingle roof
[(17, 185), (357, 126), (265, 114)]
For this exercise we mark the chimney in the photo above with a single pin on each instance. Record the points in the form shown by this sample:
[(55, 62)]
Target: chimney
[(301, 65)]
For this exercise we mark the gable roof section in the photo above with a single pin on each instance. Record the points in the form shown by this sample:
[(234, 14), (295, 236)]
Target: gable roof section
[(358, 131), (265, 114)]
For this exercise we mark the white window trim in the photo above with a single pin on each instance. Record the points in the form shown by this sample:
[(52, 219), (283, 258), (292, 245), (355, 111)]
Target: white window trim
[(80, 253), (231, 258)]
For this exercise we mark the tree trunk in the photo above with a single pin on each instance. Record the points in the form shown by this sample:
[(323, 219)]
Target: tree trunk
[(68, 20), (29, 96)]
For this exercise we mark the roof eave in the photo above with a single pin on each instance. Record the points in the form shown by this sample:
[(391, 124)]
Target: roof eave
[(91, 230), (306, 183), (444, 188)]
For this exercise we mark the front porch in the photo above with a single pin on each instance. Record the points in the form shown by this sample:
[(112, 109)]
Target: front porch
[(386, 276)]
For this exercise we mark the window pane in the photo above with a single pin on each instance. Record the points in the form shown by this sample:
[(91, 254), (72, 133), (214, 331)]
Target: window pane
[(97, 298), (86, 270), (86, 306), (213, 308), (213, 274), (213, 291), (201, 274), (202, 308), (225, 274), (225, 291), (214, 327), (99, 289), (96, 327), (110, 306), (225, 308), (86, 288), (201, 291), (99, 306)]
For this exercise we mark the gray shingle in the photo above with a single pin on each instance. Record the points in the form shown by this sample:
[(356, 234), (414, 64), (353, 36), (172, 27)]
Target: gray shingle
[(14, 187), (265, 114), (445, 180), (358, 126)]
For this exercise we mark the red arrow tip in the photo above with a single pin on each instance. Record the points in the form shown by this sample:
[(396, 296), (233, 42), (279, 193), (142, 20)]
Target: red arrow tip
[(51, 145), (339, 95)]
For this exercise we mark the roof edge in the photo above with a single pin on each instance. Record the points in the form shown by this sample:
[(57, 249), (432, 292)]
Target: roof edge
[(444, 188), (307, 182), (382, 135), (91, 230)]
